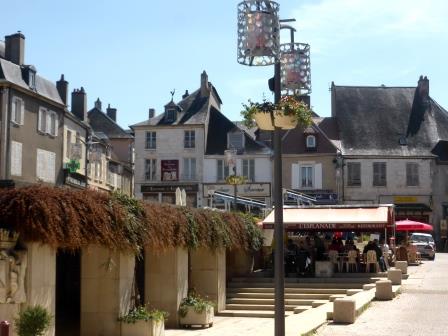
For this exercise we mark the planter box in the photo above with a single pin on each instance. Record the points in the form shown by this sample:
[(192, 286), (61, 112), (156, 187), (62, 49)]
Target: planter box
[(143, 328), (204, 319), (282, 121)]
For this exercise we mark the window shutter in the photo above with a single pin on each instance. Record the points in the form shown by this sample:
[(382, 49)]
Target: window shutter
[(14, 110), (295, 176), (252, 170), (22, 112), (56, 124), (16, 158), (193, 168), (318, 176)]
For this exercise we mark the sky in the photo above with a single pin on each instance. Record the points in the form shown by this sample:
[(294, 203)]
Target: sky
[(131, 54)]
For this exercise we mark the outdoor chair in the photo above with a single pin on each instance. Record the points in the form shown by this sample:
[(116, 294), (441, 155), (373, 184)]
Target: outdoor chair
[(372, 260), (351, 261), (401, 254), (333, 256)]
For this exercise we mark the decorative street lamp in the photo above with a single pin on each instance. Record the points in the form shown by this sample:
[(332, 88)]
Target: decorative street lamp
[(259, 44), (235, 180)]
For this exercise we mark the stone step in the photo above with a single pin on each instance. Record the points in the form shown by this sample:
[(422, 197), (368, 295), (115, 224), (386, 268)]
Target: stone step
[(287, 296), (301, 309), (317, 303), (362, 278), (288, 290), (250, 313), (240, 306), (324, 286), (297, 302)]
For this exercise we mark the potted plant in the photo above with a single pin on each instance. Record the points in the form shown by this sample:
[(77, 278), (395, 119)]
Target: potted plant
[(140, 321), (194, 310), (33, 321), (286, 114)]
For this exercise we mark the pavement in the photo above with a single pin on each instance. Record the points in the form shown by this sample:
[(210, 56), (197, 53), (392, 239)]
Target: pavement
[(419, 310)]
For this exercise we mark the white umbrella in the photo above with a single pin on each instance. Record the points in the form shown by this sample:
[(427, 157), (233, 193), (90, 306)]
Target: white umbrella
[(178, 196), (183, 198)]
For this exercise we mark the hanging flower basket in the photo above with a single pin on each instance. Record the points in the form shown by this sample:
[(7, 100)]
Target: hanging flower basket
[(287, 114)]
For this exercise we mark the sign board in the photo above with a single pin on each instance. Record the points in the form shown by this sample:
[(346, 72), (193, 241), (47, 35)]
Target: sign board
[(331, 226), (245, 190), (75, 179), (75, 151), (168, 188), (170, 170), (405, 199)]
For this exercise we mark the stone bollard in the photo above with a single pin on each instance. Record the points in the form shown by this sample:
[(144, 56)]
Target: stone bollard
[(344, 310), (384, 290), (394, 275), (402, 265)]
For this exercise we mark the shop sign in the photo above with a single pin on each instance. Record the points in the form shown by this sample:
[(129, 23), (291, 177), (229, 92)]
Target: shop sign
[(168, 188), (405, 199), (170, 170), (331, 226), (75, 179), (245, 190)]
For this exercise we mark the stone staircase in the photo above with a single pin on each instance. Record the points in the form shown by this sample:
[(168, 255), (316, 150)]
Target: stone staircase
[(254, 296)]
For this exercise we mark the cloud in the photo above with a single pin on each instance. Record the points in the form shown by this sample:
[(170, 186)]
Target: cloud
[(329, 23)]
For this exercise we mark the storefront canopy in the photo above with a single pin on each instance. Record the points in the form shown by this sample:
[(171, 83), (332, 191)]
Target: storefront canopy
[(409, 225), (335, 218)]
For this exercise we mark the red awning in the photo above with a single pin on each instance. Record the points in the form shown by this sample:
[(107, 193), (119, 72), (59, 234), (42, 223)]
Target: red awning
[(409, 225)]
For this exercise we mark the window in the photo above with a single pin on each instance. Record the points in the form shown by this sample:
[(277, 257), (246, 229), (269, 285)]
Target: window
[(379, 174), (412, 174), (45, 166), (171, 115), (48, 122), (306, 177), (98, 170), (235, 140), (32, 79), (189, 169), (354, 174), (189, 139), (310, 142), (68, 144), (249, 170), (16, 158), (150, 169), (223, 170), (17, 112), (151, 140)]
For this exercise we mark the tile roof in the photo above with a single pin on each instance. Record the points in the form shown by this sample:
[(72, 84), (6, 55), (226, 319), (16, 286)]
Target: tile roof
[(371, 121), (101, 123), (12, 73)]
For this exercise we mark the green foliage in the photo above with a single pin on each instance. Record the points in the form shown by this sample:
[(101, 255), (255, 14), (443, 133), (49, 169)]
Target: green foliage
[(33, 321), (141, 313), (193, 230), (288, 105), (254, 234), (196, 301)]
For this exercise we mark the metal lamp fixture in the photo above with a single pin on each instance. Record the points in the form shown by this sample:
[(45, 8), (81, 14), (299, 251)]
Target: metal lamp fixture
[(258, 32), (295, 68)]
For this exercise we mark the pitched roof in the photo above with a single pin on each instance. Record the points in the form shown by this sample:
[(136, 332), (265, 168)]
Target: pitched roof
[(100, 122), (372, 120), (194, 109), (12, 73), (218, 127)]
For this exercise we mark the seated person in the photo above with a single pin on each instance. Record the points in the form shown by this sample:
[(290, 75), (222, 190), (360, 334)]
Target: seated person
[(333, 246)]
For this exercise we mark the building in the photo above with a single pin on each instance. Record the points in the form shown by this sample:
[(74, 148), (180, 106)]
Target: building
[(32, 117), (111, 152), (392, 142)]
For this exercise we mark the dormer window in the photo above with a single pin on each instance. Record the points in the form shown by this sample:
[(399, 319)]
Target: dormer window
[(170, 115), (235, 140), (29, 75), (32, 79), (311, 142)]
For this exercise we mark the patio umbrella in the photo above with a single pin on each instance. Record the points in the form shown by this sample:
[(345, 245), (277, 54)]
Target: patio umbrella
[(409, 225)]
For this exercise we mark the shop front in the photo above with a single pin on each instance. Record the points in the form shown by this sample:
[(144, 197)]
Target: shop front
[(413, 207), (74, 180), (166, 193)]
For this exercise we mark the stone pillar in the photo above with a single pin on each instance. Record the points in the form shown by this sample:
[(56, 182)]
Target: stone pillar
[(106, 289), (166, 281), (208, 275), (40, 283)]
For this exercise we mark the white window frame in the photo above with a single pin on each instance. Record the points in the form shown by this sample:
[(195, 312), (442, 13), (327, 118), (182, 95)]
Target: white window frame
[(379, 174), (350, 171), (150, 169), (307, 179), (17, 117), (45, 122), (151, 141), (311, 141), (222, 170), (249, 169), (189, 139), (189, 169), (16, 158)]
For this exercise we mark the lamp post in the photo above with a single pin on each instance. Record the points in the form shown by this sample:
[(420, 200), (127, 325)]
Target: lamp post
[(259, 44), (230, 160)]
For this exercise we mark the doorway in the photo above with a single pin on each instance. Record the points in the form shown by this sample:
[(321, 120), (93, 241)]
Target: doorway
[(68, 293)]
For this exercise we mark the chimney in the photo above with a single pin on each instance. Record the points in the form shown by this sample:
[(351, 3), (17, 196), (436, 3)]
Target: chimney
[(151, 113), (205, 90), (62, 86), (98, 104), (15, 48), (185, 95), (112, 113), (79, 103), (423, 90)]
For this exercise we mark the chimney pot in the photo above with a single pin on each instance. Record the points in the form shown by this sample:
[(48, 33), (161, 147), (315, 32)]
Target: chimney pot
[(98, 104), (151, 113), (185, 95), (62, 87), (111, 113), (423, 89), (79, 104), (15, 48), (205, 90)]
